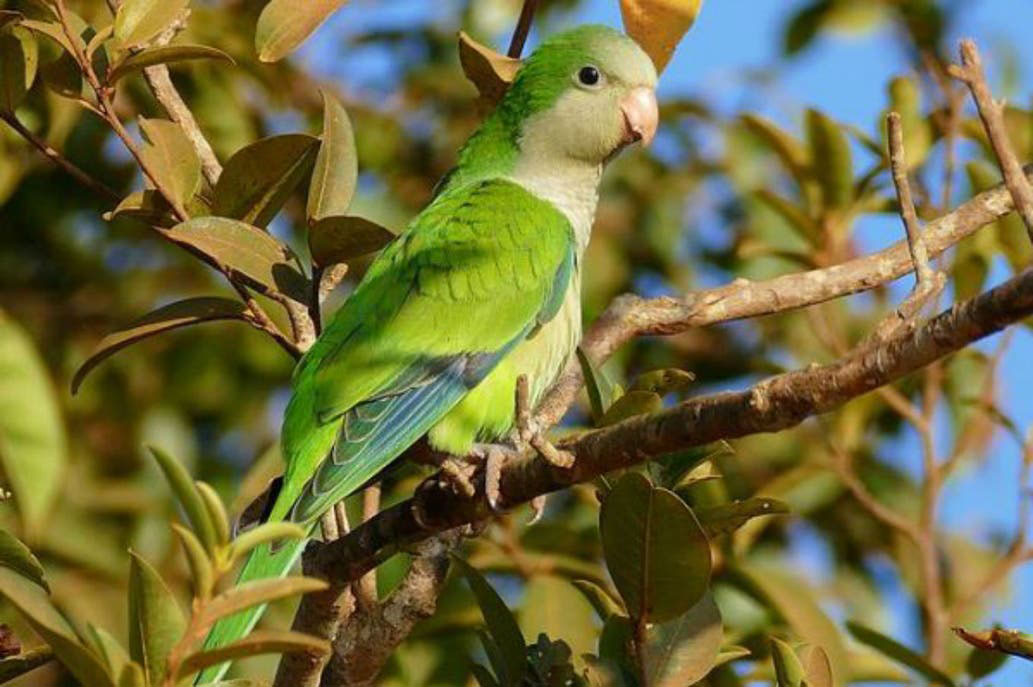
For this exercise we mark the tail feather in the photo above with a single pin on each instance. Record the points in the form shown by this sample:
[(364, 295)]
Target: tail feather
[(264, 562)]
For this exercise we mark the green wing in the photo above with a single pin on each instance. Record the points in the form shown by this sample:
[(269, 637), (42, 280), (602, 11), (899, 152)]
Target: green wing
[(473, 275)]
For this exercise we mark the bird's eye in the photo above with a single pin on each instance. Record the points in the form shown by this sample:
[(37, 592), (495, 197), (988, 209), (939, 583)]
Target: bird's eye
[(588, 76)]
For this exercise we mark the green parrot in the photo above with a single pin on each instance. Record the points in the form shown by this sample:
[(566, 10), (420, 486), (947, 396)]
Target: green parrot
[(482, 287)]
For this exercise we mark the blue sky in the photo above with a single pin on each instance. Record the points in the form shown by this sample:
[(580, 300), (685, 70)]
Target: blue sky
[(845, 76)]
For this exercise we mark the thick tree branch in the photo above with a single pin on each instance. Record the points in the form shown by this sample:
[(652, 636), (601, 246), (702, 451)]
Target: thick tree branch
[(772, 405)]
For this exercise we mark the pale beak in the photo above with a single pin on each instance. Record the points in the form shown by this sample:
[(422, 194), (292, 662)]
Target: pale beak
[(640, 115)]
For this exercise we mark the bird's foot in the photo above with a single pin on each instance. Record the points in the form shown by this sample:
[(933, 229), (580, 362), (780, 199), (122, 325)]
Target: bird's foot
[(493, 457), (529, 433)]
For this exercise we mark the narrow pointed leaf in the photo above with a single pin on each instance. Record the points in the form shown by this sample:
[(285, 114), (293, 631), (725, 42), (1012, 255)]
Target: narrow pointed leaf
[(728, 517), (728, 654), (832, 164), (600, 390), (683, 650), (255, 644), (655, 550), (35, 606), (658, 25), (216, 511), (483, 677), (337, 167), (201, 570), (19, 59), (285, 24), (172, 157), (138, 21), (13, 666), (33, 448), (148, 206), (260, 177), (183, 487), (666, 381), (165, 54), (789, 671), (629, 405), (17, 556), (490, 72), (257, 592), (262, 534), (166, 318), (265, 263), (603, 603), (501, 624), (893, 649), (341, 239), (790, 151), (156, 621), (110, 650)]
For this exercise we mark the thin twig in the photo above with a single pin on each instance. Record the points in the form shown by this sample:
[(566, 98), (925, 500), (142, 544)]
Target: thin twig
[(58, 159), (992, 113), (366, 588), (523, 28)]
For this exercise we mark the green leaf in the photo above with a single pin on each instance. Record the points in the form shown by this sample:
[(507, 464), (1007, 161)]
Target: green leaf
[(266, 264), (789, 672), (63, 76), (683, 650), (171, 157), (600, 390), (602, 601), (804, 26), (109, 649), (616, 644), (337, 165), (501, 623), (132, 676), (256, 592), (816, 666), (629, 405), (893, 649), (341, 239), (980, 662), (262, 534), (17, 556), (138, 21), (831, 159), (787, 148), (285, 24), (662, 382), (183, 487), (156, 621), (35, 606), (655, 550), (258, 179), (148, 206), (32, 435), (216, 511), (51, 30), (728, 517), (201, 570), (554, 607), (256, 643), (14, 666), (166, 318), (19, 58), (483, 677), (730, 653), (165, 54), (794, 216)]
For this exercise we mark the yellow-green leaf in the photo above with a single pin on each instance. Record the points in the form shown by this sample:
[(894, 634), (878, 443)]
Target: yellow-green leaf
[(63, 76), (263, 534), (666, 381), (32, 435), (629, 405), (600, 599), (148, 206), (728, 517), (831, 159), (255, 644), (789, 672), (166, 318), (256, 592), (655, 550), (285, 24), (258, 179), (138, 21), (501, 624), (171, 157), (17, 556), (216, 511), (337, 166), (553, 606), (186, 493), (202, 571), (165, 54), (156, 621), (19, 58), (341, 239)]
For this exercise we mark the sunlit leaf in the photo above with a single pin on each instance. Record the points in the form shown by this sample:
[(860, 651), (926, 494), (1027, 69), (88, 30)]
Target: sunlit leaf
[(816, 666), (49, 29), (789, 672), (257, 643), (683, 650), (156, 621), (186, 493), (19, 58), (256, 592), (216, 511), (342, 239), (337, 167), (600, 390), (32, 435), (831, 159), (728, 517), (655, 550), (17, 556), (172, 158), (554, 607), (490, 72), (166, 318), (201, 570), (147, 205), (165, 54), (893, 649), (500, 621), (629, 405), (285, 24), (603, 603), (658, 25), (262, 534), (787, 148), (132, 676), (13, 666), (138, 21), (265, 263), (665, 381), (258, 179), (34, 604), (108, 648)]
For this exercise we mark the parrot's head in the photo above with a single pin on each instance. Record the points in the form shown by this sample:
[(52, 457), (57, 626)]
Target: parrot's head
[(584, 94)]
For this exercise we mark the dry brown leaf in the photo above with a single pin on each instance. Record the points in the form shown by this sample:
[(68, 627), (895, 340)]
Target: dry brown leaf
[(658, 25), (489, 71)]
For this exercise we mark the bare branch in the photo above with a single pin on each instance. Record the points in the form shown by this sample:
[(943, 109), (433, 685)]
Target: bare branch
[(523, 27), (992, 113)]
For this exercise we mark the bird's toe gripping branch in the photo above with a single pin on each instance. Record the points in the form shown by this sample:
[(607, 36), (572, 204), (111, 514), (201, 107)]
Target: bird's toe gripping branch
[(528, 431)]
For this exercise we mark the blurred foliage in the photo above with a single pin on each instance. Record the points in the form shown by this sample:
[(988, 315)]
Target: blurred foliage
[(598, 596)]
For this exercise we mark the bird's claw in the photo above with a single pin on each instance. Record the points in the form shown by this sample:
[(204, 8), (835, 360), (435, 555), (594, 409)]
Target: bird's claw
[(530, 433)]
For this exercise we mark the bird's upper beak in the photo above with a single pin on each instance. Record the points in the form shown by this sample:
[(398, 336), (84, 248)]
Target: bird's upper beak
[(640, 115)]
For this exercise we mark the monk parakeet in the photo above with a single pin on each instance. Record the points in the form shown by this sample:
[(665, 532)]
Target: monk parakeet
[(482, 287)]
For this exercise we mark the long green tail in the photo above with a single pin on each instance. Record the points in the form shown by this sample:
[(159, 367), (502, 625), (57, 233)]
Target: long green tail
[(261, 563)]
